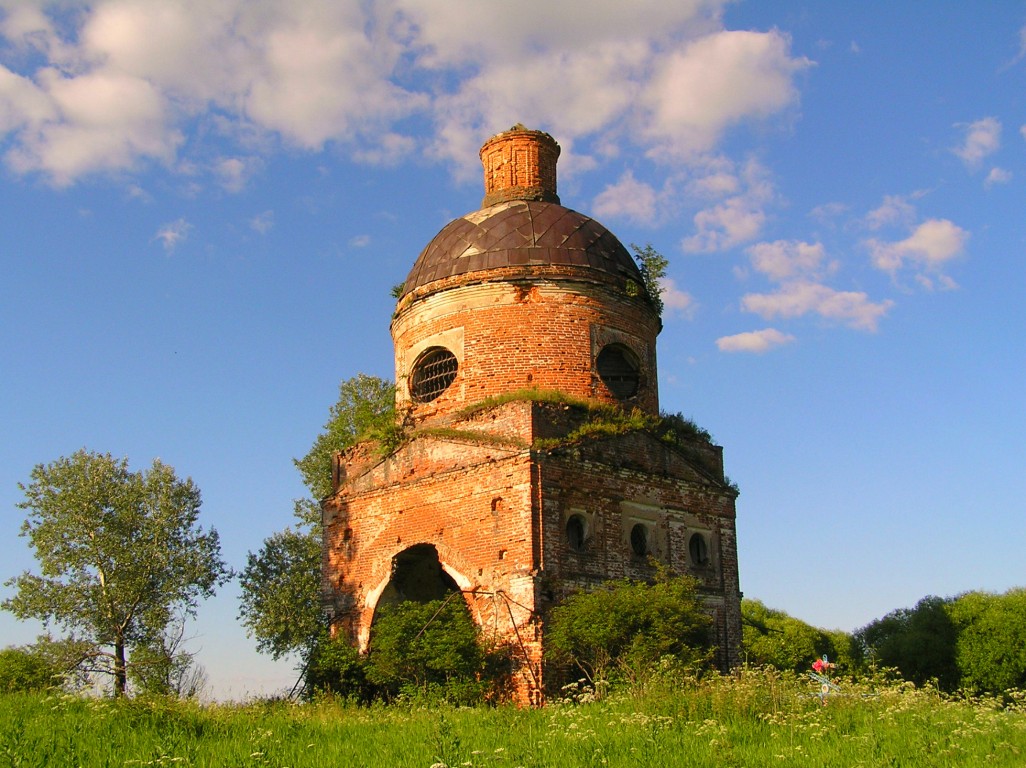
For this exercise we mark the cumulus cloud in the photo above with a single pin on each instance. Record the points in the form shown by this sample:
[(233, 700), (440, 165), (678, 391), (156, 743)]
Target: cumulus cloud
[(173, 233), (802, 297), (998, 176), (982, 138), (716, 81), (627, 198), (933, 243), (676, 301), (799, 269), (787, 259), (737, 219), (235, 172), (754, 341), (120, 82), (895, 210)]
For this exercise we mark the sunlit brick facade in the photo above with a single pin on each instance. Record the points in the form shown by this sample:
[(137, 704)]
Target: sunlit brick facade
[(524, 295)]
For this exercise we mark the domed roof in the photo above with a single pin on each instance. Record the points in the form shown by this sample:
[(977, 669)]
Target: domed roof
[(521, 233)]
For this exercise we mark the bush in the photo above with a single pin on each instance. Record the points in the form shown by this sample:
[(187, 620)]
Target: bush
[(625, 629), (24, 669), (774, 638), (431, 649)]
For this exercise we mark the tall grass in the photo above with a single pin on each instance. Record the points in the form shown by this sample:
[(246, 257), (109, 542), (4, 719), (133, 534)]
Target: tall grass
[(754, 718)]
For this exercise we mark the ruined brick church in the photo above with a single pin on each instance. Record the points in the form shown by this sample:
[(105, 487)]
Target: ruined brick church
[(494, 493)]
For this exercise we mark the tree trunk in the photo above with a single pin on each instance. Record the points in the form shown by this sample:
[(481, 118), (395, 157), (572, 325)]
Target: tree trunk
[(120, 671)]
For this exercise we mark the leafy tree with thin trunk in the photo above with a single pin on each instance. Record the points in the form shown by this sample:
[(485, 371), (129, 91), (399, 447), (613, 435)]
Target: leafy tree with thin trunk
[(281, 583), (121, 553)]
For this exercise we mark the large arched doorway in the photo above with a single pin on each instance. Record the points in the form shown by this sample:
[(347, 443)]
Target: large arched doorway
[(417, 576), (423, 634)]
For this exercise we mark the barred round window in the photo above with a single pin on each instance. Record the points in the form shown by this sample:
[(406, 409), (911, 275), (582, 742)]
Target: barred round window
[(619, 370), (432, 374)]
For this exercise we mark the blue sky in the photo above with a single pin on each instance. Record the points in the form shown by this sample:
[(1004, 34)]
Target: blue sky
[(205, 203)]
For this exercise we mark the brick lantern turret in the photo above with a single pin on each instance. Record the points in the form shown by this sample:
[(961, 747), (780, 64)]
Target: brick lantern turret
[(519, 164)]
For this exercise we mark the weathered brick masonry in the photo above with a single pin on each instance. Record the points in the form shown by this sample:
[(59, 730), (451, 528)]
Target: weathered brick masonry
[(524, 294)]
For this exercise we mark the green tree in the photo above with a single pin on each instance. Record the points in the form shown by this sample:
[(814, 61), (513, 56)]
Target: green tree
[(628, 627), (652, 266), (162, 666), (365, 409), (120, 552), (919, 642), (281, 583), (774, 638), (281, 589), (424, 646), (990, 649), (24, 669)]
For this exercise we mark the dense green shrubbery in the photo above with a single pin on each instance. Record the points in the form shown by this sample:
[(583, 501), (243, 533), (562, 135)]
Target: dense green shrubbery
[(23, 669), (975, 641), (773, 638), (431, 651), (627, 629)]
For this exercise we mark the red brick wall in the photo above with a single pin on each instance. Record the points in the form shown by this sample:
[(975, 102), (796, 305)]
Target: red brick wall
[(541, 334), (497, 516)]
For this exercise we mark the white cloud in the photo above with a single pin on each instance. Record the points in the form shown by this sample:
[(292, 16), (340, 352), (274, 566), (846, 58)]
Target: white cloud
[(787, 259), (262, 222), (754, 341), (715, 82), (171, 234), (997, 176), (627, 198), (801, 297), (735, 220), (982, 138), (933, 243), (676, 301), (122, 80), (235, 172), (895, 209), (360, 241)]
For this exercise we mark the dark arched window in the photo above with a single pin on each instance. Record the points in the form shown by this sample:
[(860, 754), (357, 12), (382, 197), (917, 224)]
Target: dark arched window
[(576, 533), (619, 370), (698, 549), (432, 374), (639, 539)]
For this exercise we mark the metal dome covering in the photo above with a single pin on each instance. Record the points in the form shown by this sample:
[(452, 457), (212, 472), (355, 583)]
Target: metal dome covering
[(521, 233)]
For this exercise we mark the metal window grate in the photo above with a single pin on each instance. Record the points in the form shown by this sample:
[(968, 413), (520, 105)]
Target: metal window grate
[(433, 372), (619, 370)]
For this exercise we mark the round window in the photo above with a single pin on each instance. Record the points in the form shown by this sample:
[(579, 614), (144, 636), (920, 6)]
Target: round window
[(575, 533), (698, 549), (639, 540), (619, 370), (432, 374)]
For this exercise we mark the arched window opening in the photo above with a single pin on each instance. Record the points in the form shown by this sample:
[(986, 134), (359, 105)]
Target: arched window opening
[(619, 370), (576, 533), (639, 539), (698, 549)]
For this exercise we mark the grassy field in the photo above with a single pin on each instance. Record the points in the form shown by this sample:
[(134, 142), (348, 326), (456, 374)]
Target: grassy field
[(751, 719)]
